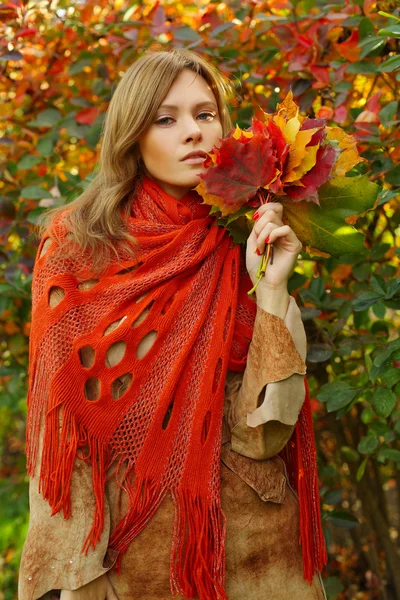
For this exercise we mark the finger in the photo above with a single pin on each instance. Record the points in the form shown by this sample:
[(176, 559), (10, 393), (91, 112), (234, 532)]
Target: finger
[(275, 206), (284, 231), (269, 216), (264, 234)]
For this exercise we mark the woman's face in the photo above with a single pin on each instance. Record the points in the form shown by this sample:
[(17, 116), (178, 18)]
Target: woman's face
[(190, 123)]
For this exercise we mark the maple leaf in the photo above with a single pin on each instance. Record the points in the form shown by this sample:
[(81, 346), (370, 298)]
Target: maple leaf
[(241, 169), (328, 229), (319, 174), (349, 156), (299, 161)]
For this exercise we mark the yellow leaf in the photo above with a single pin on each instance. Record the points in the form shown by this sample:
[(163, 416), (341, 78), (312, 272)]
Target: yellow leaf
[(315, 252), (214, 200), (239, 132), (296, 152), (274, 178), (308, 162), (353, 218), (291, 130), (349, 156), (287, 117), (288, 108)]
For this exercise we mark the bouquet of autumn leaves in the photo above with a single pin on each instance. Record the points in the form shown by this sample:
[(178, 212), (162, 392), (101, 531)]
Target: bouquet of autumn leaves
[(300, 162)]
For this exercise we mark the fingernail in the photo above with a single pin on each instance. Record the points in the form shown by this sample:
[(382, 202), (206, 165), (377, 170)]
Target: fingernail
[(267, 240), (255, 216), (258, 252)]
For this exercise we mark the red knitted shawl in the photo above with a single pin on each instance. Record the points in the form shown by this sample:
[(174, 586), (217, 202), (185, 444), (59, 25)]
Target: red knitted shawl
[(187, 290)]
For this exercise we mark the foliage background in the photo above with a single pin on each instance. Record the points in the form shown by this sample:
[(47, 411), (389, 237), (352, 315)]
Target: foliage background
[(59, 63)]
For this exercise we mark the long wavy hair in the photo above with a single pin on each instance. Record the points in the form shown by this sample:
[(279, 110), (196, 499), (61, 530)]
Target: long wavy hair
[(95, 219)]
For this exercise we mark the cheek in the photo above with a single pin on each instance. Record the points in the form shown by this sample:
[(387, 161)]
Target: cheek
[(152, 145), (217, 135)]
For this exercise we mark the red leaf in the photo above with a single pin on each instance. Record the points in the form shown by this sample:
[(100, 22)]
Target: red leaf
[(321, 74), (247, 167), (26, 32), (373, 103), (326, 158), (87, 116)]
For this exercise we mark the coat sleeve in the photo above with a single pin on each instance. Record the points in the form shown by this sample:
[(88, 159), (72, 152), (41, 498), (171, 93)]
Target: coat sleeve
[(52, 557), (263, 403)]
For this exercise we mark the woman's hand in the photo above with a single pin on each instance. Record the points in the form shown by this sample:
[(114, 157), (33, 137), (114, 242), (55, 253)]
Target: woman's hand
[(98, 589), (286, 247)]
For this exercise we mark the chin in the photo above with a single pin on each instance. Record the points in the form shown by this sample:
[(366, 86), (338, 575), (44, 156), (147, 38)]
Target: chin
[(191, 181)]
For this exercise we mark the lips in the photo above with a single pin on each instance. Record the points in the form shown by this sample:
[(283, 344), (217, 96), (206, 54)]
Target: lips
[(195, 154)]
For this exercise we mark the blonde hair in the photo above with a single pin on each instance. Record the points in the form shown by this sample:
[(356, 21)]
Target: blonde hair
[(95, 219)]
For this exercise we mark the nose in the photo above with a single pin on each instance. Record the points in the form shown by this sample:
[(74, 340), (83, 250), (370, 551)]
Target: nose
[(192, 130)]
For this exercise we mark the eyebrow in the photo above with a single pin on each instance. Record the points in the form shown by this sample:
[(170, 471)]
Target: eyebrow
[(204, 103)]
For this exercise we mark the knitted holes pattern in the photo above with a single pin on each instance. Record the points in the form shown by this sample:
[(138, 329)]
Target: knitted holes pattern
[(158, 413)]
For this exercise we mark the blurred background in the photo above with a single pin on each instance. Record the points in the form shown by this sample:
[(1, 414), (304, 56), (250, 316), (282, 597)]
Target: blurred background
[(59, 64)]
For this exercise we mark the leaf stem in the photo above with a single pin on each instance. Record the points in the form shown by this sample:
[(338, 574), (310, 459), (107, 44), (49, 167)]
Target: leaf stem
[(267, 250)]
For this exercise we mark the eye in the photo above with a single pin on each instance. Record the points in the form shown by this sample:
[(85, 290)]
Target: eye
[(208, 114), (160, 122)]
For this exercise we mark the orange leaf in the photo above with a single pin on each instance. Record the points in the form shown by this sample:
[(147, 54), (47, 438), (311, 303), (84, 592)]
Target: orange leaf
[(349, 156)]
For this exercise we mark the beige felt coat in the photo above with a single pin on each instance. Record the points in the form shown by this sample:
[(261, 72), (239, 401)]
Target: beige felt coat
[(263, 556)]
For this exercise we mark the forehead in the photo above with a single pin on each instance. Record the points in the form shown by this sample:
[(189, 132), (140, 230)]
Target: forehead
[(186, 87)]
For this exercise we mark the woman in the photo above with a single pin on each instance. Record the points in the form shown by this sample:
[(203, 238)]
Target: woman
[(143, 382)]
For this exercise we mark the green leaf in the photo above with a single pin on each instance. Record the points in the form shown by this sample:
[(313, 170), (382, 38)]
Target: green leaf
[(390, 65), (393, 287), (324, 227), (47, 118), (367, 415), (368, 362), (391, 31), (382, 356), (350, 454), (383, 401), (365, 300), (372, 45), (35, 192), (378, 251), (33, 215), (336, 395), (79, 66), (342, 520), (243, 210), (379, 310), (307, 313), (385, 14), (391, 377), (362, 271), (28, 161), (368, 444), (333, 587), (186, 34), (332, 497), (366, 29), (379, 284), (390, 454), (379, 428), (319, 353), (45, 146), (394, 344), (389, 437), (388, 112), (214, 209), (361, 68), (361, 469)]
